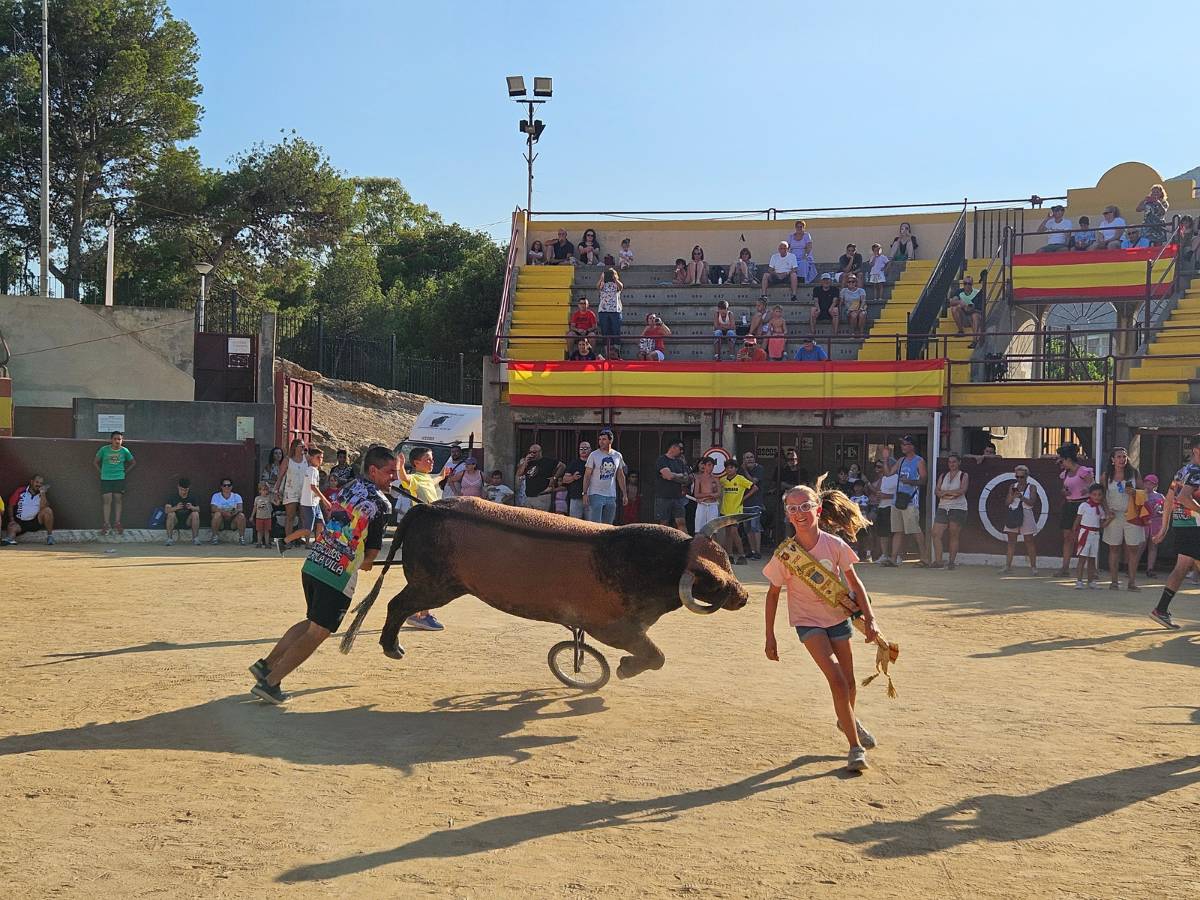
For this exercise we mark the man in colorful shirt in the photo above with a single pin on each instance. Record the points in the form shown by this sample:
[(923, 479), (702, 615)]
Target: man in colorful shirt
[(1181, 513), (30, 511), (352, 539), (113, 463)]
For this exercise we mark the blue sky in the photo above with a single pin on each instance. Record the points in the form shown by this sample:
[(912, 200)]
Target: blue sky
[(706, 105)]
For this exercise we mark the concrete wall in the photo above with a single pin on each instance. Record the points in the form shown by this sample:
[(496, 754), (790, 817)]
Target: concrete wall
[(91, 357), (168, 332)]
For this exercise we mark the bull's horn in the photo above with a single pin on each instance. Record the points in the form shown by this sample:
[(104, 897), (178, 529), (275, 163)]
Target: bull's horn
[(720, 522), (686, 580)]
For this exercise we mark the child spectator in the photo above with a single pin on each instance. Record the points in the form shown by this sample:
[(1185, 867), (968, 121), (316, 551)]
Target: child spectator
[(1089, 522), (610, 287), (777, 331), (262, 516), (583, 323), (113, 461), (723, 329), (584, 352), (652, 347), (1154, 510), (735, 488), (744, 271), (537, 254), (1083, 240), (626, 254), (750, 351), (630, 510), (854, 302), (878, 274), (697, 269), (858, 493), (759, 321), (681, 272), (588, 250), (497, 491)]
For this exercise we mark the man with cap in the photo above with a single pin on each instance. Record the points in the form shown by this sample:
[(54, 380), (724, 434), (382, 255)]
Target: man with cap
[(455, 464), (1058, 228), (810, 352), (782, 267), (572, 478), (750, 351), (672, 483), (602, 478), (341, 474), (906, 514), (827, 303)]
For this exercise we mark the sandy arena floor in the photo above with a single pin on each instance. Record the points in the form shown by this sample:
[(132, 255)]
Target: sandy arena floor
[(1045, 743)]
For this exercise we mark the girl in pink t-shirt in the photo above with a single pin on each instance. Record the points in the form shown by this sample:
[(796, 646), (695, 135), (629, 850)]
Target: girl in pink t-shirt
[(824, 631)]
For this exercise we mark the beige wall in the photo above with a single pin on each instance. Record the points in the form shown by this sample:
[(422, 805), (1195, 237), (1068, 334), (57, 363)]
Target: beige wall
[(102, 362), (169, 332)]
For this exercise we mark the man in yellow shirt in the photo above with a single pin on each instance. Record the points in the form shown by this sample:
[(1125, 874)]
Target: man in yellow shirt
[(424, 487), (735, 488)]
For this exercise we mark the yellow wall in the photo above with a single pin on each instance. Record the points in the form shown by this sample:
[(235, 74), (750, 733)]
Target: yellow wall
[(1125, 186)]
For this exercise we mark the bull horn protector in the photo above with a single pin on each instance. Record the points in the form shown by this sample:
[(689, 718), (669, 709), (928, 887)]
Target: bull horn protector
[(687, 579)]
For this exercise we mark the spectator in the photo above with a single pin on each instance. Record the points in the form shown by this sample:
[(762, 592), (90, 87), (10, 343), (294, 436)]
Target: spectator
[(782, 267), (1085, 238), (862, 499), (853, 473), (1134, 239), (588, 251), (290, 484), (573, 477), (724, 329), (854, 302), (681, 272), (271, 473), (800, 246), (697, 269), (877, 277), (904, 245), (745, 270), (1121, 482), (584, 352), (966, 310), (226, 507), (1057, 227), (583, 322), (1076, 479), (1154, 208), (1019, 521), (906, 513), (1154, 519), (951, 512), (753, 504), (312, 522), (470, 479), (541, 474), (626, 254), (609, 306), (456, 463), (183, 512), (673, 480), (630, 510), (735, 488), (777, 335), (750, 351), (263, 511), (1111, 229), (1089, 522), (849, 263), (342, 473), (537, 254), (602, 479), (810, 352), (706, 490), (497, 491), (827, 302), (29, 510), (420, 483), (113, 462), (759, 319), (652, 347), (792, 474), (1188, 242), (561, 251), (883, 491)]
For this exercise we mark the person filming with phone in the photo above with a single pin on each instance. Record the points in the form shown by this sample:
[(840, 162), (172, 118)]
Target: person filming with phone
[(30, 511)]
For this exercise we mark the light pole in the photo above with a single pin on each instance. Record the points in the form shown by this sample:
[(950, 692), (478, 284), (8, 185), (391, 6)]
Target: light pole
[(203, 268), (532, 128)]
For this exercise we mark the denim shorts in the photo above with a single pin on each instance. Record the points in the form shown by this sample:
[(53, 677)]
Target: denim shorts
[(754, 525), (838, 632)]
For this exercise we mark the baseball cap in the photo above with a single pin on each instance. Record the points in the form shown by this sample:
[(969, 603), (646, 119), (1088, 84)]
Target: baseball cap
[(675, 444), (604, 431), (907, 439), (1151, 477), (750, 339), (808, 339), (827, 276)]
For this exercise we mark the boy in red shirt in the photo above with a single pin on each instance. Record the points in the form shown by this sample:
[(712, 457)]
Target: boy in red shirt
[(583, 323)]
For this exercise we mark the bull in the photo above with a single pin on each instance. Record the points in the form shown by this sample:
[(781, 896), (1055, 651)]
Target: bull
[(613, 583)]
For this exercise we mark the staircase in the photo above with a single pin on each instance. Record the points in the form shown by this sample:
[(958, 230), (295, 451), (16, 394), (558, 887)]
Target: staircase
[(1153, 367), (541, 308), (956, 349), (893, 318)]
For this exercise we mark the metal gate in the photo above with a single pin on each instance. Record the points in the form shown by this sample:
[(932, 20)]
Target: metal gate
[(226, 367), (293, 409)]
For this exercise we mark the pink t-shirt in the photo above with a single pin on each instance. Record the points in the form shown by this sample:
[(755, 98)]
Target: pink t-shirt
[(1077, 485), (804, 606)]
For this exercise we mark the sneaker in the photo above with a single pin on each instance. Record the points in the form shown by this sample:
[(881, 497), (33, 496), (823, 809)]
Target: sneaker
[(242, 541), (856, 760), (119, 528), (281, 546), (170, 542), (424, 623), (1094, 585), (740, 561), (1007, 570), (215, 539), (950, 567), (1080, 586), (8, 542), (260, 670), (50, 542), (936, 564), (1164, 619), (1035, 573), (196, 541), (104, 528), (756, 556), (272, 693), (1133, 587), (865, 738), (1062, 573)]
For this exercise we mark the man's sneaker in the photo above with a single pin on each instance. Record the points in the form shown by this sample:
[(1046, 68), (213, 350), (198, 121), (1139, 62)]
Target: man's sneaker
[(1094, 585), (1080, 586), (740, 561), (756, 556), (242, 541), (864, 737), (215, 539), (1164, 619), (170, 542), (7, 541), (425, 623), (50, 540), (281, 546), (260, 670), (196, 541), (856, 761), (272, 693), (1007, 570)]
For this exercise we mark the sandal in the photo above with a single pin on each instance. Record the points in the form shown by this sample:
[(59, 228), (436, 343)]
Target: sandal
[(104, 528), (1133, 587), (118, 528), (1114, 586)]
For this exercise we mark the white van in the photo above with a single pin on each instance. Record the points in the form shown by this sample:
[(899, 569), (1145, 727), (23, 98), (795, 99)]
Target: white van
[(439, 425)]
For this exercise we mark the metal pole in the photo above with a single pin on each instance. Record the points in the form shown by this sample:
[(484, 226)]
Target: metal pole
[(44, 265), (529, 161), (200, 308), (462, 379), (1098, 438), (320, 344), (233, 312), (392, 363), (935, 450), (108, 270)]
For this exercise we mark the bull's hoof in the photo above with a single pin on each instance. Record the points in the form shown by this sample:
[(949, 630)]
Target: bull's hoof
[(393, 651), (630, 666)]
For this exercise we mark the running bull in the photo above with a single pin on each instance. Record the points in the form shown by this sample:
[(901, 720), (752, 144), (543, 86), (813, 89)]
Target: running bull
[(614, 583)]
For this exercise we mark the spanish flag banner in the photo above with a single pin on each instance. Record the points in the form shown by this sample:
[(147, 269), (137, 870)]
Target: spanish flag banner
[(709, 385), (1104, 274)]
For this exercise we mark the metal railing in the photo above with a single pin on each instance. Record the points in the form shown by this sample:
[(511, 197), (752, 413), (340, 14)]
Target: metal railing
[(1174, 268), (928, 308), (515, 258)]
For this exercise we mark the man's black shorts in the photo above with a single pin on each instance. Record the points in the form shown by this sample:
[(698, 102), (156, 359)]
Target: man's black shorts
[(326, 605), (24, 526), (183, 517), (1187, 541)]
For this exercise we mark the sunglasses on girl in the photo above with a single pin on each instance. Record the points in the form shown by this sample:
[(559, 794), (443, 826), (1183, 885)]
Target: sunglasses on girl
[(806, 506)]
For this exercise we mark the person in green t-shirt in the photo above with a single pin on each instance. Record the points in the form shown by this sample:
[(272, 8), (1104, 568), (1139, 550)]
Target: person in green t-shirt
[(113, 462)]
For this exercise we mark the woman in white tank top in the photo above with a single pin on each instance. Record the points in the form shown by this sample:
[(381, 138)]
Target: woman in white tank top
[(951, 510), (291, 483)]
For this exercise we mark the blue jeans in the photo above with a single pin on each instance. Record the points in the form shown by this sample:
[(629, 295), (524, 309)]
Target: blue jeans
[(610, 324), (601, 509)]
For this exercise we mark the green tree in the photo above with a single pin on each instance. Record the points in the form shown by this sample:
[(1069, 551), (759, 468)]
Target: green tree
[(1067, 362), (347, 289), (123, 87)]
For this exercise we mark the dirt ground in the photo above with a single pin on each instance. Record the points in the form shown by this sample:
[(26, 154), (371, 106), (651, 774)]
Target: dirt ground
[(1044, 744)]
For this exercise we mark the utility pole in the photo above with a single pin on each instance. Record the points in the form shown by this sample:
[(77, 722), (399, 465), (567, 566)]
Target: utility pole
[(108, 269), (45, 254)]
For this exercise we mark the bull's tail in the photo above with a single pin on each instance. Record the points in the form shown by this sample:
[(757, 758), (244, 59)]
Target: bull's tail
[(360, 611)]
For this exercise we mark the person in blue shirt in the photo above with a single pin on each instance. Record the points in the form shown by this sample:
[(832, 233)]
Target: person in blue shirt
[(810, 352)]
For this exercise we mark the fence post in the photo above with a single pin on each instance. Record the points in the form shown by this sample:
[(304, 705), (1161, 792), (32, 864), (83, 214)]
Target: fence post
[(320, 344), (462, 378), (392, 363)]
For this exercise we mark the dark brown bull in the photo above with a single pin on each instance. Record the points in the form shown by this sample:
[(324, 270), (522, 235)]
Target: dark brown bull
[(614, 583)]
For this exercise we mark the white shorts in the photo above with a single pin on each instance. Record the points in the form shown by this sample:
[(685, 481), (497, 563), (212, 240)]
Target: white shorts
[(876, 278), (706, 512), (1090, 546)]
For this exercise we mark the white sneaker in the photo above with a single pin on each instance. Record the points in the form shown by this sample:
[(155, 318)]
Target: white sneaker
[(196, 541), (170, 542), (1080, 586), (1094, 585), (856, 760), (864, 737)]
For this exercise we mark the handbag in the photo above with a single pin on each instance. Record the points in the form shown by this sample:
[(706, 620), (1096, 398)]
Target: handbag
[(902, 499), (1014, 517)]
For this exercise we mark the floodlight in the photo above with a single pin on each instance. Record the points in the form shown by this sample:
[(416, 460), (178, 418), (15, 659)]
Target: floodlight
[(204, 267), (543, 86), (516, 85)]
